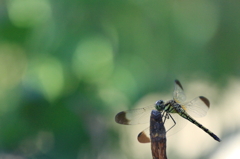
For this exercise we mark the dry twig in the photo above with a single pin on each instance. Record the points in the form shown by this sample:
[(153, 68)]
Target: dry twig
[(158, 136)]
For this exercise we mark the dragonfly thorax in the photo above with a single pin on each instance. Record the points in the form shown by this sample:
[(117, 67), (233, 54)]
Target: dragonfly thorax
[(160, 105)]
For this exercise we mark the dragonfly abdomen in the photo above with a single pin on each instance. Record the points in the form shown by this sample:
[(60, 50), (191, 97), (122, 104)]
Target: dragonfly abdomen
[(200, 126)]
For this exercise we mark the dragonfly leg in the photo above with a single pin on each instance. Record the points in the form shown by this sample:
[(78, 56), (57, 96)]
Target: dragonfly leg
[(164, 114), (169, 115)]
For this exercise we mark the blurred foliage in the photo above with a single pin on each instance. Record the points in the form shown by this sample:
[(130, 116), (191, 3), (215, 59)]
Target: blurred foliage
[(67, 67)]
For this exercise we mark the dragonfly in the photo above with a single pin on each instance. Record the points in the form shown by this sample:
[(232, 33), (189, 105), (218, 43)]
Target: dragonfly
[(197, 107)]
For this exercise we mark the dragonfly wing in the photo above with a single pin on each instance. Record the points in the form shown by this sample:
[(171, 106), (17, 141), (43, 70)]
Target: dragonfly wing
[(197, 107), (134, 116), (144, 136), (178, 94)]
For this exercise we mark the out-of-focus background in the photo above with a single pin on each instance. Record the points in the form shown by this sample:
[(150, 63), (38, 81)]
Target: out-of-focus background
[(68, 67)]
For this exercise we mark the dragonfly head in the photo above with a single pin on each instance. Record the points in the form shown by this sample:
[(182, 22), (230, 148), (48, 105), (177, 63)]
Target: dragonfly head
[(160, 105)]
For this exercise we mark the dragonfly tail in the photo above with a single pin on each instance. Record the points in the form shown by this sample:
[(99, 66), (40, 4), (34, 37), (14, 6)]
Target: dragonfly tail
[(214, 136), (200, 126)]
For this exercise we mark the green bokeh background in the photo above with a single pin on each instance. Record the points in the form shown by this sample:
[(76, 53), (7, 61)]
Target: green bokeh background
[(67, 67)]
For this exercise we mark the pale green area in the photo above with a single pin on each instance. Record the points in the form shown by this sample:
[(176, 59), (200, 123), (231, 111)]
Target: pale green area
[(67, 67)]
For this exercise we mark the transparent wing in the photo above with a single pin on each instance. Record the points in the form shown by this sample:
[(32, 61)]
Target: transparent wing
[(134, 116), (197, 107), (144, 136), (178, 94)]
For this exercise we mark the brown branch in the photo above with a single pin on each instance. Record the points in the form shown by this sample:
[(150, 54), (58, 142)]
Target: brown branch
[(158, 136)]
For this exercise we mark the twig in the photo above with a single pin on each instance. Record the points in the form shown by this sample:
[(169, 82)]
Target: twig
[(158, 136)]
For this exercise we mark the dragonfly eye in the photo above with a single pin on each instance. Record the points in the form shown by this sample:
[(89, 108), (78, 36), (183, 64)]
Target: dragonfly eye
[(159, 105)]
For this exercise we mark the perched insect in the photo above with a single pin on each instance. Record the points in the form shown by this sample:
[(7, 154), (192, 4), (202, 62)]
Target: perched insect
[(197, 107)]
